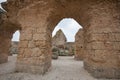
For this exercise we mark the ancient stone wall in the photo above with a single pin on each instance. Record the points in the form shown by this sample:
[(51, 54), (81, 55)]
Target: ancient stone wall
[(100, 20), (6, 31), (103, 40), (4, 47), (5, 40), (35, 44), (5, 37), (79, 45), (59, 42)]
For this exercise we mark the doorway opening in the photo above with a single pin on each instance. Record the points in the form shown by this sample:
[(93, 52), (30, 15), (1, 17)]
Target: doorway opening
[(63, 38), (14, 43)]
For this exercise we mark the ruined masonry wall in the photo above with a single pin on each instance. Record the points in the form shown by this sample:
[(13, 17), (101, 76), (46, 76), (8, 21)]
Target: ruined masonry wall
[(103, 41), (79, 45)]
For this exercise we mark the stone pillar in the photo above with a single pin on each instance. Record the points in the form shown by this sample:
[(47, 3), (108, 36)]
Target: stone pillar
[(34, 54), (79, 45), (103, 41), (5, 38), (34, 47)]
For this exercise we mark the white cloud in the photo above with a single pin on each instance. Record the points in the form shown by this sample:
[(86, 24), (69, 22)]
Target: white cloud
[(70, 27), (2, 1)]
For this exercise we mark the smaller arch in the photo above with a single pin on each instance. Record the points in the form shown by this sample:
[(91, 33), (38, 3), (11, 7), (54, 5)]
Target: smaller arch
[(14, 42)]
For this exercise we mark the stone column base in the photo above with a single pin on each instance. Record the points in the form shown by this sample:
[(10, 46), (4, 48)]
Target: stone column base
[(34, 69), (100, 72)]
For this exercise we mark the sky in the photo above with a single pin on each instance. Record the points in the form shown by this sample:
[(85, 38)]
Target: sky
[(68, 25), (16, 36), (2, 1)]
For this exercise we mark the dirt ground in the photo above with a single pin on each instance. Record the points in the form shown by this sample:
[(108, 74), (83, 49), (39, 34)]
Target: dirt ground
[(65, 68)]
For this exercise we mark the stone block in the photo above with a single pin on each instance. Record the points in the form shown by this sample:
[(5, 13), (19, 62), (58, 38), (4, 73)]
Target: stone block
[(103, 37), (40, 44), (117, 36), (41, 30), (101, 72), (25, 36), (31, 44), (36, 52), (39, 36), (23, 44), (103, 45)]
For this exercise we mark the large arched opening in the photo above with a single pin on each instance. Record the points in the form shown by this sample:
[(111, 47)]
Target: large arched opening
[(63, 37)]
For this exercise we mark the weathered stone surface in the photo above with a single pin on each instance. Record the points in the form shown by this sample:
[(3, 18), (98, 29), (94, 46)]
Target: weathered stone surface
[(6, 32), (102, 43), (59, 39), (4, 49), (59, 43), (37, 19), (79, 45)]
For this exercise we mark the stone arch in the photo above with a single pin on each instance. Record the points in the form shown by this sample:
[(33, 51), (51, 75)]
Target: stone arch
[(100, 20), (69, 22), (14, 43), (70, 29), (7, 28), (6, 31)]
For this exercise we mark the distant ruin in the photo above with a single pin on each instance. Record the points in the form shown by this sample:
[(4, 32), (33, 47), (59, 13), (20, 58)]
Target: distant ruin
[(14, 47), (59, 42), (79, 45), (59, 39)]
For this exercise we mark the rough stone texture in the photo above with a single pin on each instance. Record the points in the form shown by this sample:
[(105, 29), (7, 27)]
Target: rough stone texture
[(59, 39), (34, 49), (102, 44), (59, 42), (5, 37), (6, 31), (37, 19), (79, 45)]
